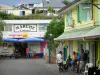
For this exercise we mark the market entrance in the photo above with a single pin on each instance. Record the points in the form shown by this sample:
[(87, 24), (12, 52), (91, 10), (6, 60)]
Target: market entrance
[(20, 49)]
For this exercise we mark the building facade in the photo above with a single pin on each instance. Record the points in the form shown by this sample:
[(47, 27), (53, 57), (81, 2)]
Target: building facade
[(21, 29), (82, 27), (33, 8)]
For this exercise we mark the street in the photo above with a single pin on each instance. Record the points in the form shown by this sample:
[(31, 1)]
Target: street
[(28, 67), (23, 67)]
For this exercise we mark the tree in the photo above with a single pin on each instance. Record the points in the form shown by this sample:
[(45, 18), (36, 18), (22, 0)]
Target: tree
[(1, 26), (66, 2), (56, 28), (50, 10), (1, 29)]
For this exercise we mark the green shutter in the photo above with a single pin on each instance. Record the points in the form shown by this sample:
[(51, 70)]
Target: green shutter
[(67, 19), (70, 14), (77, 13), (82, 13)]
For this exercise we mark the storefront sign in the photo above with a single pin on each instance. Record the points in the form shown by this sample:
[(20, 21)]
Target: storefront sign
[(23, 28), (15, 35), (24, 35)]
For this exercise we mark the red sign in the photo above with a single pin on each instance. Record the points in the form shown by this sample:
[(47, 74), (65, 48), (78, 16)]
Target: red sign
[(14, 35)]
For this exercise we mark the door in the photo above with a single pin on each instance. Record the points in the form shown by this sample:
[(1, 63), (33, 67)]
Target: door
[(70, 48), (92, 53)]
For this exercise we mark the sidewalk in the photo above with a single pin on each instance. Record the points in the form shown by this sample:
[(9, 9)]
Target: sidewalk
[(54, 68)]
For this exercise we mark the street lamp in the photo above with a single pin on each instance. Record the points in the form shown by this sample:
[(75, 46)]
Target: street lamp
[(50, 46)]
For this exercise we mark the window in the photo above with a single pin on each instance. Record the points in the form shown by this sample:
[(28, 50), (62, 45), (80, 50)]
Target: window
[(85, 12), (88, 10), (69, 18), (31, 5), (42, 27), (8, 27)]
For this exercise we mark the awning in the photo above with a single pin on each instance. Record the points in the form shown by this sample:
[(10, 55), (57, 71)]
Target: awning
[(10, 39), (31, 40), (73, 34), (94, 32)]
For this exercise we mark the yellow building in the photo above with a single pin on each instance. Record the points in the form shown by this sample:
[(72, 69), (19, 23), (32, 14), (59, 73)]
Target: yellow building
[(82, 28)]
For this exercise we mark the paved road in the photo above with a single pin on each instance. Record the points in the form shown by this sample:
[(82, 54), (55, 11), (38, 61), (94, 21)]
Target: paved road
[(23, 67), (29, 67)]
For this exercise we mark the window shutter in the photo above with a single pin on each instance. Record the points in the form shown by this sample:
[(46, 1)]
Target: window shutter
[(20, 13), (67, 19), (77, 10), (82, 13)]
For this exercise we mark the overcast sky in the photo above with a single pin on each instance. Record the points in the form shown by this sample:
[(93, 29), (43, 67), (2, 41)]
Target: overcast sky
[(16, 2)]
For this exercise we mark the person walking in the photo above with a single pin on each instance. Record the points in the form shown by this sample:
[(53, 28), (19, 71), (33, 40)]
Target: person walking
[(59, 59), (27, 53), (78, 57), (74, 60)]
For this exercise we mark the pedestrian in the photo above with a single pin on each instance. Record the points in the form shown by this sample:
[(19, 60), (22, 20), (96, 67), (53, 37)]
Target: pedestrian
[(78, 56), (69, 61), (27, 53), (74, 62), (59, 58)]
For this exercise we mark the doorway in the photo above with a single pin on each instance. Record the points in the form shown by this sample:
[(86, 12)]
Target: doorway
[(20, 49)]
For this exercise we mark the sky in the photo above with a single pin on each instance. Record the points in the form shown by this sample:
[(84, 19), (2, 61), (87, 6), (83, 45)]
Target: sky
[(16, 2)]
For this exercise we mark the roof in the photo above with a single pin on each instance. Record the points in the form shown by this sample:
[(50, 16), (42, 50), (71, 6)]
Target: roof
[(74, 3), (26, 21), (53, 3), (2, 6), (94, 32), (16, 2), (73, 34)]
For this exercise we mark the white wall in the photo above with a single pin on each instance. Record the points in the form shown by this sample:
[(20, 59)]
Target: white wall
[(35, 46), (17, 12)]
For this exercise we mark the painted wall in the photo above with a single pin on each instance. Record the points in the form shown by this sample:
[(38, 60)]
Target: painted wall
[(17, 12), (96, 12), (75, 46), (42, 46), (83, 22)]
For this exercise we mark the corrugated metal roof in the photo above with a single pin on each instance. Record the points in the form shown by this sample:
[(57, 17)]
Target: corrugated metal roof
[(74, 3), (94, 32), (53, 3), (74, 34)]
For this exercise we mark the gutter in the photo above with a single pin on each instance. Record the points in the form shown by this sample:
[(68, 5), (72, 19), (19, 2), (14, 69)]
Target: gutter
[(70, 6)]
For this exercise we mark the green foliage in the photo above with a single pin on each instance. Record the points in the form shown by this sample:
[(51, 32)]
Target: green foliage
[(5, 16), (1, 42), (1, 25), (50, 9), (65, 2), (55, 27), (37, 11)]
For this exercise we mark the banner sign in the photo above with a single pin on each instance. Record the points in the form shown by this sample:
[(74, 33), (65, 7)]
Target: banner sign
[(25, 28)]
